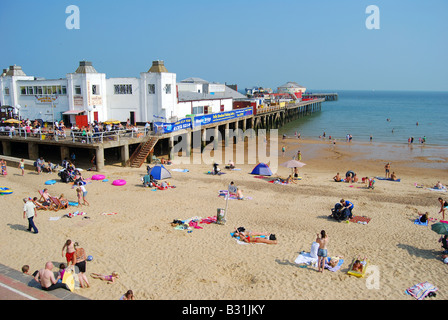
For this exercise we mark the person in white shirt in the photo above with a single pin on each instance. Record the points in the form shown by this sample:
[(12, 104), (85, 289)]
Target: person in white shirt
[(29, 212)]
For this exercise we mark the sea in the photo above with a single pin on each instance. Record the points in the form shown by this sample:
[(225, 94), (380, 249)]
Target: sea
[(386, 116)]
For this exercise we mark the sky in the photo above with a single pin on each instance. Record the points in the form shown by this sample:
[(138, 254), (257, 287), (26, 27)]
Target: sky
[(321, 44)]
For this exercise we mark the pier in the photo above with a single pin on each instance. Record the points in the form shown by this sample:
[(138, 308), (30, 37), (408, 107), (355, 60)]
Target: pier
[(135, 147), (326, 96)]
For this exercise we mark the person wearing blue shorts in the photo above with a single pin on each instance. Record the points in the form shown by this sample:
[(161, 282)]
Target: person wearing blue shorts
[(322, 240)]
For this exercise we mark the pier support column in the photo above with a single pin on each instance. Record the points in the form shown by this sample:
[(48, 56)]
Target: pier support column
[(99, 156), (226, 134), (171, 147), (124, 150), (188, 143), (65, 153), (7, 148), (33, 151), (216, 138)]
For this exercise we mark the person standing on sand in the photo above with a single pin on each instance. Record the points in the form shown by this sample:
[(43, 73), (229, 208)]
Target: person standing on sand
[(387, 168), (322, 252), (69, 248), (29, 212), (444, 207)]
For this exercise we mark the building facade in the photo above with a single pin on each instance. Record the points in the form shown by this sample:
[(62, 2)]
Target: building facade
[(86, 95)]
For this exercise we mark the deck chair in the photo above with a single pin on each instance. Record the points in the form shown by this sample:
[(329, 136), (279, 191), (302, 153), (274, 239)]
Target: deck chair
[(40, 206), (56, 204)]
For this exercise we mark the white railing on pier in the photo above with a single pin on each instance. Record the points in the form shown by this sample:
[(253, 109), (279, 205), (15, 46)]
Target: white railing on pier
[(78, 136)]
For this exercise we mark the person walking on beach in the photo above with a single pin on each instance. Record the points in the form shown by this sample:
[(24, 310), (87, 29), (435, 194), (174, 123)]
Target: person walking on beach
[(47, 280), (283, 150), (387, 169), (322, 252), (29, 212)]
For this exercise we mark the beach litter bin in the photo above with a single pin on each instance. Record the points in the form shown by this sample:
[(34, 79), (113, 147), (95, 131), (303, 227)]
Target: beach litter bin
[(220, 216)]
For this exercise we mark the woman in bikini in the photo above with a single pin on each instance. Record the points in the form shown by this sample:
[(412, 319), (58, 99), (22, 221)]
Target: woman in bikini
[(254, 237)]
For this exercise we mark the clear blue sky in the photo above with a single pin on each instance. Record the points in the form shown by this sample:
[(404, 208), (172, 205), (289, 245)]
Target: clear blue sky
[(322, 44)]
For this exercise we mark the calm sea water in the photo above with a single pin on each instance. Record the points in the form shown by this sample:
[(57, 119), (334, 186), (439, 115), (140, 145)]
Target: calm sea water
[(365, 113)]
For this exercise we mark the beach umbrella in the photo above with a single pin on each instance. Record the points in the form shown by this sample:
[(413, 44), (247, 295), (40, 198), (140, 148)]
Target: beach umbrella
[(12, 121), (293, 164), (440, 228)]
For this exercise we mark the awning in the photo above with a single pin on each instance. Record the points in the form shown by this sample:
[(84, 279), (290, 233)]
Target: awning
[(73, 112)]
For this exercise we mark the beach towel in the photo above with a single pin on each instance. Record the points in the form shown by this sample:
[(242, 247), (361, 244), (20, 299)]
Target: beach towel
[(108, 213), (73, 204), (180, 170), (436, 189), (418, 222), (387, 179), (242, 242), (335, 268), (309, 258), (223, 193), (76, 213), (360, 220), (208, 220), (421, 290)]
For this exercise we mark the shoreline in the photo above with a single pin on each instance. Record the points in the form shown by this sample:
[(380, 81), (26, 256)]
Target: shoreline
[(160, 263)]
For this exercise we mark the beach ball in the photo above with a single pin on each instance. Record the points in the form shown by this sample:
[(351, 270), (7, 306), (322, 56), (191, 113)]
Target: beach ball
[(89, 258)]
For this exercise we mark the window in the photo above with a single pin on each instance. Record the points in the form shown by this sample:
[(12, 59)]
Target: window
[(77, 89), (44, 90), (95, 89), (198, 110), (123, 89), (6, 90), (30, 90), (22, 90), (151, 88), (64, 90), (168, 88)]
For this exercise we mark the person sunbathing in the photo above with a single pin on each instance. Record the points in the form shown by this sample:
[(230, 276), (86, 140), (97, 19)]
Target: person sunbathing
[(109, 278), (254, 237), (393, 176), (357, 266), (239, 194)]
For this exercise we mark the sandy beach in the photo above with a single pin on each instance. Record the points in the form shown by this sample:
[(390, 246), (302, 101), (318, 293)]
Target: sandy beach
[(159, 262)]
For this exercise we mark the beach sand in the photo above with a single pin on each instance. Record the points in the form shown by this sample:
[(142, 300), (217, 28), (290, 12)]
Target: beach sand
[(159, 262)]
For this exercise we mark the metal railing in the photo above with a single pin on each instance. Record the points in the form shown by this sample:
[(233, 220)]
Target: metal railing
[(78, 136)]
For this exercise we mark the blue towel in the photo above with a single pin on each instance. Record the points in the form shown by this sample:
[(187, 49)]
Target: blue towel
[(417, 221)]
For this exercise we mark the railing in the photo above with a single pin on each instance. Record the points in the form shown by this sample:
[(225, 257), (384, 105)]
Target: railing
[(79, 136), (273, 108)]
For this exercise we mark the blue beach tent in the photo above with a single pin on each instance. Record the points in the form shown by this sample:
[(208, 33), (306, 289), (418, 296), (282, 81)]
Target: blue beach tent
[(159, 172), (262, 169)]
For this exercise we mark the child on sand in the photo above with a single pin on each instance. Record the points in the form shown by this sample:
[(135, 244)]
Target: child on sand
[(110, 278), (22, 166), (69, 246), (79, 194)]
